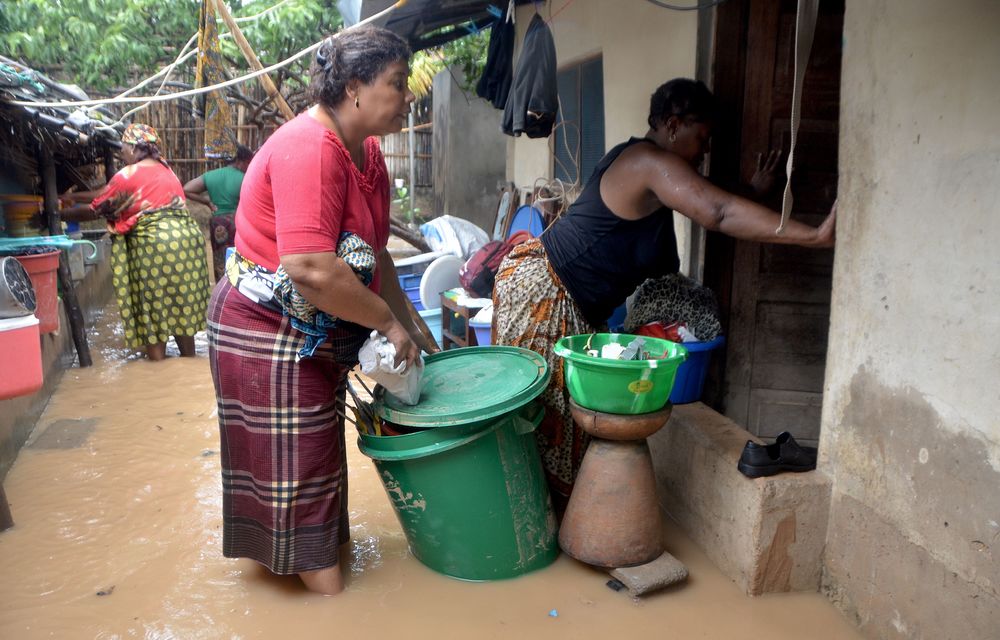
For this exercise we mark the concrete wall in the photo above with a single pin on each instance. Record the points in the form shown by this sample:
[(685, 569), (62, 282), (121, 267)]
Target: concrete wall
[(911, 433), (642, 46), (18, 415), (469, 153)]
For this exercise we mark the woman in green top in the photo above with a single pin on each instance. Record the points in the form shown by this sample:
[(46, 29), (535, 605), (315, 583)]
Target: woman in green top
[(219, 189)]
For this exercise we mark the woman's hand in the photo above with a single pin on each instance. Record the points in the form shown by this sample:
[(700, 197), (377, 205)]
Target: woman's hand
[(764, 177), (406, 349), (827, 231)]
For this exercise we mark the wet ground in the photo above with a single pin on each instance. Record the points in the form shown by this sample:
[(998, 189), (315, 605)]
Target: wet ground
[(116, 500)]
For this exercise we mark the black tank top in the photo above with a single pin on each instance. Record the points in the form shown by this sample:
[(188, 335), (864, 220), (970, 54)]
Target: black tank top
[(602, 258)]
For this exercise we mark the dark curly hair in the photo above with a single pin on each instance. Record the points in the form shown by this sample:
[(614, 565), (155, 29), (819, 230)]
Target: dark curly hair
[(359, 54), (687, 99)]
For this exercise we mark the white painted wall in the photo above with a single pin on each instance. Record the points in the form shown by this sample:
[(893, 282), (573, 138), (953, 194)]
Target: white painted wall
[(642, 47)]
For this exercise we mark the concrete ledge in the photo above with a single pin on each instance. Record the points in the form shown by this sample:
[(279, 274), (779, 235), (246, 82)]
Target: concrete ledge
[(18, 415), (766, 534)]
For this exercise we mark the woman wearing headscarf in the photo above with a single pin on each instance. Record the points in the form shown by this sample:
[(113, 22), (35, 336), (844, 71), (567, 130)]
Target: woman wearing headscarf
[(159, 267), (309, 281)]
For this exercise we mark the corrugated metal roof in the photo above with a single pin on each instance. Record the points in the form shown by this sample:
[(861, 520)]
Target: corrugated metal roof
[(69, 125), (431, 23)]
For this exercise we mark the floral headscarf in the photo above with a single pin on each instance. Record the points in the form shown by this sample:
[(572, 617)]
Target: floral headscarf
[(140, 133)]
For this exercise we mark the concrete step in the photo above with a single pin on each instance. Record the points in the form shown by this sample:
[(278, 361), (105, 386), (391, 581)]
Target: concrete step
[(767, 534)]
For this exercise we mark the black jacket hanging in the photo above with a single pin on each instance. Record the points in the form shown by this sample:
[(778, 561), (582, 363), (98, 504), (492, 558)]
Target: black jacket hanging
[(534, 96), (494, 85)]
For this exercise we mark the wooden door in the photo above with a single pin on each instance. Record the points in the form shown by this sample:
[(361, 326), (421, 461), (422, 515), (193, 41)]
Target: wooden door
[(778, 297)]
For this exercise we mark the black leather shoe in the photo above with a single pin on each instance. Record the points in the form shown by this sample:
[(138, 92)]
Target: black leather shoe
[(785, 454)]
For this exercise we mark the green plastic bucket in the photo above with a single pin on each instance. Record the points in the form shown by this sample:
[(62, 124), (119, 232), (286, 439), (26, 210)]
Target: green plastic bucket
[(619, 386), (468, 488)]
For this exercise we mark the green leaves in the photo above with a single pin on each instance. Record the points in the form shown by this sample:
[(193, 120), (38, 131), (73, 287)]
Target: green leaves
[(107, 44)]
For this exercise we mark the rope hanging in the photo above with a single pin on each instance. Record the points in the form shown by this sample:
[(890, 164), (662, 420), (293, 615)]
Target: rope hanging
[(805, 27)]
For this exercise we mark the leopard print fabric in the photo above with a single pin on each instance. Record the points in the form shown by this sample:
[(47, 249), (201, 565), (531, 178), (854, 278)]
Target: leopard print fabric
[(675, 298)]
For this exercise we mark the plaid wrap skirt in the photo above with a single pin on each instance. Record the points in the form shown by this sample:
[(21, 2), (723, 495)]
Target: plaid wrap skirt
[(284, 470), (532, 309)]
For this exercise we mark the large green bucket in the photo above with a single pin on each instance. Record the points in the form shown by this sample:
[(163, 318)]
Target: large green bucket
[(471, 496)]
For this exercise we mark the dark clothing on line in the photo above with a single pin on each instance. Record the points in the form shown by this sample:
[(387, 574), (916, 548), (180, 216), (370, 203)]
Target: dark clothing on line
[(534, 96), (494, 85)]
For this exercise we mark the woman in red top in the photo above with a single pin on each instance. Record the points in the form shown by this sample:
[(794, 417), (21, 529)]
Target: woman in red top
[(308, 282), (158, 260)]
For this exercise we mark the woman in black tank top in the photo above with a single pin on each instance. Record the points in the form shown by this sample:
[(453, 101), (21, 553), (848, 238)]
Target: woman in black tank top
[(618, 233)]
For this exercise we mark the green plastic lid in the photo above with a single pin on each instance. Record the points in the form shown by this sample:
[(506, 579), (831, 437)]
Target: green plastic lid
[(470, 385)]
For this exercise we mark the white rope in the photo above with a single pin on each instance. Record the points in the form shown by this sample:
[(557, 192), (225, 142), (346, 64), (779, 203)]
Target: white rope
[(181, 57), (200, 90), (258, 16), (805, 26), (159, 89)]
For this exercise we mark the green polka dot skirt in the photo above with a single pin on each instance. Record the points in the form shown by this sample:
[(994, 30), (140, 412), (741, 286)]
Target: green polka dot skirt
[(160, 274)]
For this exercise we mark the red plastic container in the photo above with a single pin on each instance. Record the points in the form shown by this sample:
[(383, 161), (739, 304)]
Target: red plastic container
[(43, 269), (21, 364)]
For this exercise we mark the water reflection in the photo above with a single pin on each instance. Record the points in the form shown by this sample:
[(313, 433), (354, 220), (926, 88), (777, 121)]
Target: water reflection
[(119, 536)]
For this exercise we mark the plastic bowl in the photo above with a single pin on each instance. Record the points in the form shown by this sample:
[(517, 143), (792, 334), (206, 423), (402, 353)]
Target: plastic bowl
[(619, 386)]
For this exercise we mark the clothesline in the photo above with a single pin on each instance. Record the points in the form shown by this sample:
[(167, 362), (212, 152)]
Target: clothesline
[(215, 87)]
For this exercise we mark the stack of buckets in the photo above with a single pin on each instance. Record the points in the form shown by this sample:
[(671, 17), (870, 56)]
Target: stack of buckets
[(410, 284), (42, 268), (21, 364), (18, 211), (462, 469)]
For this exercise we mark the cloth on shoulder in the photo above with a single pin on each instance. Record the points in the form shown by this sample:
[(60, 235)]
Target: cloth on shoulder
[(277, 291)]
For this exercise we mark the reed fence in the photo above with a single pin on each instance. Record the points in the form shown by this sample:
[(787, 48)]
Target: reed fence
[(183, 140)]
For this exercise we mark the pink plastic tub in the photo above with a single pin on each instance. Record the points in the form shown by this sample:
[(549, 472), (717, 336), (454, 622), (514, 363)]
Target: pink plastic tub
[(21, 364)]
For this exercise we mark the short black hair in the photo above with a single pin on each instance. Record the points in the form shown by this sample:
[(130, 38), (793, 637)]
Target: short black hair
[(359, 54), (684, 98)]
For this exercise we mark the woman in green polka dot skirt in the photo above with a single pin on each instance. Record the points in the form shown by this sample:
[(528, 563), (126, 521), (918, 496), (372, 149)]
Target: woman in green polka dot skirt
[(158, 260)]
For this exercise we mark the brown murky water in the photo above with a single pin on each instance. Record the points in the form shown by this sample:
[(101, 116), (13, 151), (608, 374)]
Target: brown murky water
[(117, 500)]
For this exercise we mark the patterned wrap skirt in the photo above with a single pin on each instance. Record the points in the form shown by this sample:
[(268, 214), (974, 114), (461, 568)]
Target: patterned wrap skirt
[(160, 275), (532, 309), (284, 467), (222, 231)]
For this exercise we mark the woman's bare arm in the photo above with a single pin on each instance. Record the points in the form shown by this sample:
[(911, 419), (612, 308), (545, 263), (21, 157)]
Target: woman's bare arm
[(677, 185), (393, 295)]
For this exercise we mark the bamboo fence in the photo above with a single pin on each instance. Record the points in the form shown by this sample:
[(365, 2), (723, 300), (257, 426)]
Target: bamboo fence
[(183, 138)]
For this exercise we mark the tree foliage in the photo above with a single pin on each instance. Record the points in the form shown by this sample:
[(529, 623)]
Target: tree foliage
[(103, 45)]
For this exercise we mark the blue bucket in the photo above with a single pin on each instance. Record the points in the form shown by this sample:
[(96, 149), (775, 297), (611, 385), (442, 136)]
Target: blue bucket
[(690, 378)]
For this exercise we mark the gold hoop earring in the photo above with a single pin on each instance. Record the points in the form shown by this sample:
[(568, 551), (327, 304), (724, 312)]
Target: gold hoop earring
[(357, 102), (673, 137)]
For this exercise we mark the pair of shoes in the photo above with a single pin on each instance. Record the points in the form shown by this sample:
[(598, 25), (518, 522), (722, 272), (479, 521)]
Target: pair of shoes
[(785, 454)]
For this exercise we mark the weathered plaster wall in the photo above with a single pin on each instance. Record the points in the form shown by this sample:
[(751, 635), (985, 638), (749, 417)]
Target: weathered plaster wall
[(469, 152), (642, 47), (911, 422)]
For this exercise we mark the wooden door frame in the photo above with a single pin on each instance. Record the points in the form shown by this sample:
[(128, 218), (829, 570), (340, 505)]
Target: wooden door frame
[(721, 64), (725, 41)]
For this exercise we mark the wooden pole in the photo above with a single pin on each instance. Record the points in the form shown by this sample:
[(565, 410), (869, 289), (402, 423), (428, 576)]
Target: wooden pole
[(412, 140), (109, 164), (418, 321), (252, 59), (6, 520), (51, 195)]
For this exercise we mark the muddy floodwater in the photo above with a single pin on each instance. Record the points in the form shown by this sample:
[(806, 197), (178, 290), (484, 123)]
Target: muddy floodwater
[(117, 503)]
